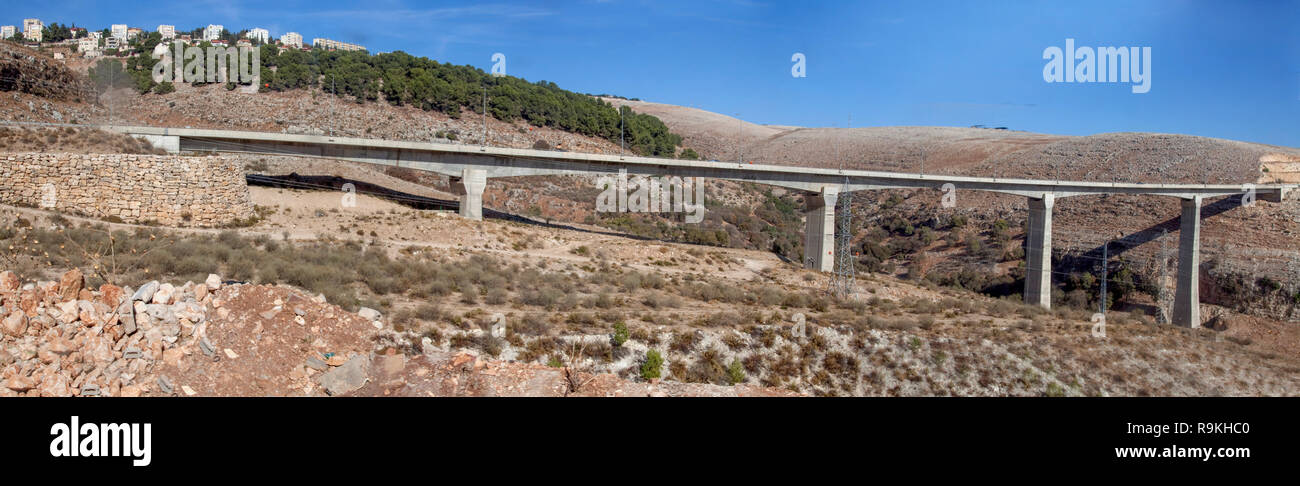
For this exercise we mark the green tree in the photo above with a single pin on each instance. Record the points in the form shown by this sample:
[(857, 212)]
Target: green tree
[(620, 333), (653, 365), (736, 372)]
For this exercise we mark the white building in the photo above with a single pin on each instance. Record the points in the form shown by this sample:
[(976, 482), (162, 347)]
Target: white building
[(291, 39), (259, 35), (133, 32), (167, 31), (32, 29), (118, 31), (113, 43), (336, 45), (87, 44), (212, 32), (7, 31)]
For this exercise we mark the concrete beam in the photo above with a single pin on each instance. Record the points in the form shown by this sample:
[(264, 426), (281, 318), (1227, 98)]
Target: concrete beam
[(819, 230), (1038, 252), (506, 162), (1276, 196), (469, 186), (1187, 296)]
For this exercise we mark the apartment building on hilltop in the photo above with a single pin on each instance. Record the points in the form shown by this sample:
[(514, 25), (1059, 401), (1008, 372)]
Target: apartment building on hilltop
[(32, 29), (258, 34), (336, 45), (212, 32), (291, 39)]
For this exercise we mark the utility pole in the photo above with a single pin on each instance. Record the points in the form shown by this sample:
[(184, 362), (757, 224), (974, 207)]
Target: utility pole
[(1105, 259), (334, 89), (622, 146), (485, 115), (1162, 297), (843, 282)]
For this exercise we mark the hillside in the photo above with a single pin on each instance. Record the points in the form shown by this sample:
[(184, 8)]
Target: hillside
[(1248, 261), (501, 308), (316, 298), (1240, 245)]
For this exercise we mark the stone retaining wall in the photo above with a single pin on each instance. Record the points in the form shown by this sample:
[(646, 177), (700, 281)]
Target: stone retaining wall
[(170, 190)]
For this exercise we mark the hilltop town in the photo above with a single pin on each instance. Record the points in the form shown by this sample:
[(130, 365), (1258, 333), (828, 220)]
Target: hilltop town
[(116, 38)]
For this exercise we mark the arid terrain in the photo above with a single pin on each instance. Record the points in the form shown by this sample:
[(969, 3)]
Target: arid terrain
[(315, 296)]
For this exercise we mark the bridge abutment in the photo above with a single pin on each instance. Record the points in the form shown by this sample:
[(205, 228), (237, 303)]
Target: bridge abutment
[(1187, 296), (470, 189), (819, 230), (170, 143), (1038, 252)]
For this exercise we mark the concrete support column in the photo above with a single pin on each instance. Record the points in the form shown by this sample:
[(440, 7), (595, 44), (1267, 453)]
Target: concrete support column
[(1187, 297), (470, 187), (1038, 252), (819, 230)]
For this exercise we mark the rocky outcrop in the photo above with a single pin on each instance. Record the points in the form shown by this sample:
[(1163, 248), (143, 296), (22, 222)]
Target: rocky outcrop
[(165, 189), (30, 71)]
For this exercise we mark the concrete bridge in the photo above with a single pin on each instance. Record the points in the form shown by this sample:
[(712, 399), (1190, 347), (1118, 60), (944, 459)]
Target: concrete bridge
[(470, 167)]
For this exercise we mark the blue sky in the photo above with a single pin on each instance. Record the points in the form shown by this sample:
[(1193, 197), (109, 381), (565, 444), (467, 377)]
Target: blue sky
[(1219, 69)]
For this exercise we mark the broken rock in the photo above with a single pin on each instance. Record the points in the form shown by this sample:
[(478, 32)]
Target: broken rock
[(145, 294), (368, 314), (15, 324), (71, 283), (111, 295), (8, 281), (347, 378), (164, 294)]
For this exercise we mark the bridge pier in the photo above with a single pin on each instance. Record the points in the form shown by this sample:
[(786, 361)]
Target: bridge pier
[(1038, 252), (470, 187), (819, 230), (1187, 296)]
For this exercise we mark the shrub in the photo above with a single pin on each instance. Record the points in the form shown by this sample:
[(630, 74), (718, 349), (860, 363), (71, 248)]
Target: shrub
[(469, 295), (620, 333), (497, 296), (736, 372), (653, 365)]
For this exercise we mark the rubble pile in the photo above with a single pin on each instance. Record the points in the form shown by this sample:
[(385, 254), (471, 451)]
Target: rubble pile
[(64, 339), (214, 338)]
